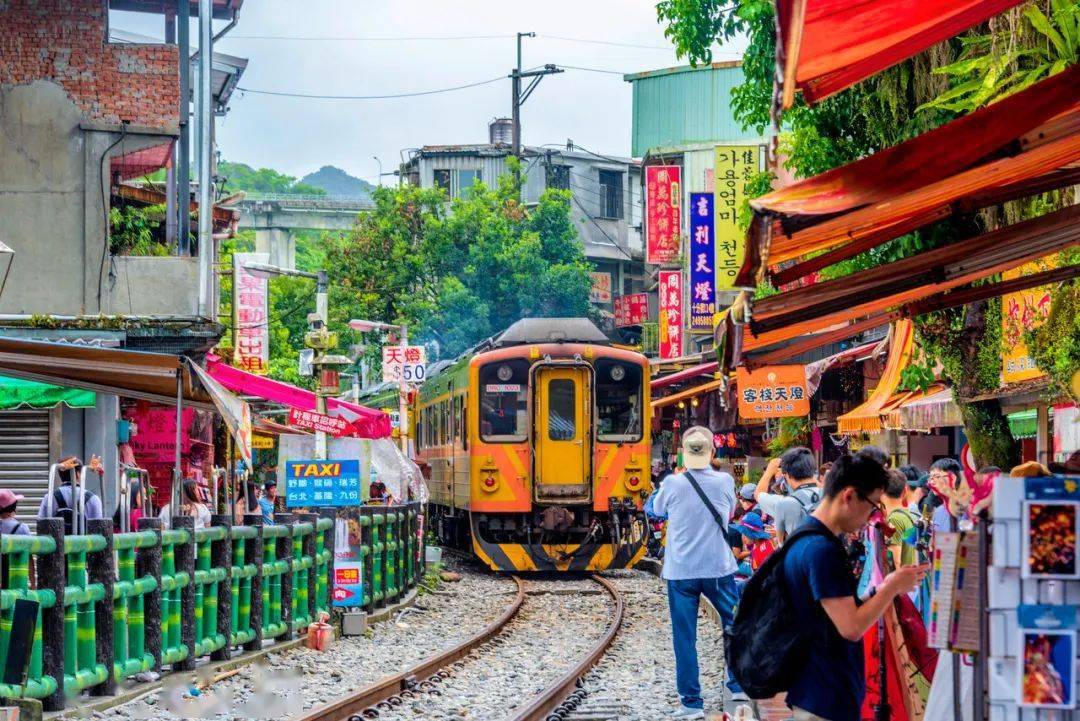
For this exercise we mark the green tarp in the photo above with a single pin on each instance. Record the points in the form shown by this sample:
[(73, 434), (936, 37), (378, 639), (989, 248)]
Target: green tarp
[(1024, 424), (18, 393)]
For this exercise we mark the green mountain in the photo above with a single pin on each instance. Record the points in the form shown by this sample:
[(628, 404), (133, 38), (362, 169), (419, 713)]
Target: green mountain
[(336, 181), (238, 176)]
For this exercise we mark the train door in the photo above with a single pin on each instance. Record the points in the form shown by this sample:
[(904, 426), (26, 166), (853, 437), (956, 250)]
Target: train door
[(562, 437)]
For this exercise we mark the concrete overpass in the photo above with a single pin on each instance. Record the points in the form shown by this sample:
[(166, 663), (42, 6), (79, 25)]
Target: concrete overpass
[(275, 217)]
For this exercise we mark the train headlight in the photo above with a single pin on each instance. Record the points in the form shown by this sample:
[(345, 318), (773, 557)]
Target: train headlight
[(489, 483), (617, 373), (505, 373)]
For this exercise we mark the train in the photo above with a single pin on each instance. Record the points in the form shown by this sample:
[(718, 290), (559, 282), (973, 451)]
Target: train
[(536, 447)]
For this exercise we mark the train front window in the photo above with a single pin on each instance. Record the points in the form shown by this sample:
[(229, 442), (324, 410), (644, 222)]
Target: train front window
[(618, 401), (562, 407), (504, 401)]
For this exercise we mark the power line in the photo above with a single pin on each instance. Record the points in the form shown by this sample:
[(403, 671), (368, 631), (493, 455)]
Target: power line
[(363, 39), (613, 43), (418, 93), (601, 228), (592, 70)]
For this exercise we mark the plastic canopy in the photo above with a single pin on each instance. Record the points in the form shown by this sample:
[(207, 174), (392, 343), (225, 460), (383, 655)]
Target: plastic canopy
[(19, 393), (867, 417), (829, 45)]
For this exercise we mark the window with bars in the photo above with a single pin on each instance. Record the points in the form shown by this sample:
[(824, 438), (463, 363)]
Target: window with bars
[(611, 194)]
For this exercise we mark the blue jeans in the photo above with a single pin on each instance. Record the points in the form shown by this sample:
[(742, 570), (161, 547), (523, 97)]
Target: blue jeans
[(683, 599)]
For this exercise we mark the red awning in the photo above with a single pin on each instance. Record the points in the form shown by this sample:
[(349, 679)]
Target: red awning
[(684, 375), (366, 422), (1024, 144), (830, 45), (141, 162)]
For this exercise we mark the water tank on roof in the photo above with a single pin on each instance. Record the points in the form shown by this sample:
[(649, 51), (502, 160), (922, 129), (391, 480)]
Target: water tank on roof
[(501, 131)]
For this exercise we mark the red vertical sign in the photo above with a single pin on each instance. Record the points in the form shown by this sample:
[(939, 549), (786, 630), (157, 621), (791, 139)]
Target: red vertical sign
[(671, 314), (631, 309), (663, 213)]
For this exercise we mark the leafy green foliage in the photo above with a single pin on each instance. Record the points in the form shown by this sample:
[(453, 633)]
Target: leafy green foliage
[(1055, 345), (136, 230), (1011, 57), (238, 176), (460, 274), (792, 432), (916, 378)]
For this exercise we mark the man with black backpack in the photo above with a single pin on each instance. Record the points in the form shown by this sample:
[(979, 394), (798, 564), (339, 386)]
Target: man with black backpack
[(62, 503), (699, 504), (803, 491), (800, 625)]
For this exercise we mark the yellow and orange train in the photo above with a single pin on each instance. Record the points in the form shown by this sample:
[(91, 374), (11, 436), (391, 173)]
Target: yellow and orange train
[(537, 450)]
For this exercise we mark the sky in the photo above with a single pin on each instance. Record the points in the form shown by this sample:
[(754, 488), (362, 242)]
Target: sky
[(332, 53)]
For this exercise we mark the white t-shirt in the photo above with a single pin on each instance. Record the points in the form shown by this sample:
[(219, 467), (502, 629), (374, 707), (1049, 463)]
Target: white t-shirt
[(696, 545), (202, 516)]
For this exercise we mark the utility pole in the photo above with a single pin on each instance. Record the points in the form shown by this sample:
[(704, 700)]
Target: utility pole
[(518, 96)]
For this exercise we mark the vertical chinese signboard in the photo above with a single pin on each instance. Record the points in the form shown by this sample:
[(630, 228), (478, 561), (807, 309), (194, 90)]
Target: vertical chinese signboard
[(702, 262), (772, 392), (671, 320), (631, 310), (601, 288), (663, 216), (251, 328), (1023, 311), (734, 166)]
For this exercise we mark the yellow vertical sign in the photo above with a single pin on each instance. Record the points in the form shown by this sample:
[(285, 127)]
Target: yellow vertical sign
[(1023, 311), (735, 164)]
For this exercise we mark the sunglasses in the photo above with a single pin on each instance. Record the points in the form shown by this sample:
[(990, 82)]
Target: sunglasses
[(874, 504)]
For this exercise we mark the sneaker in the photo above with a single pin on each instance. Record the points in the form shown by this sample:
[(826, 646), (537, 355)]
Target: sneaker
[(685, 712)]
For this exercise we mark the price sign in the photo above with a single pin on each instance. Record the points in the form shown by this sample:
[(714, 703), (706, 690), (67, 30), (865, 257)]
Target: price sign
[(403, 363)]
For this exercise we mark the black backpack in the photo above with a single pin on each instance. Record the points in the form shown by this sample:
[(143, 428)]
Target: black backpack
[(62, 510), (809, 497), (765, 647)]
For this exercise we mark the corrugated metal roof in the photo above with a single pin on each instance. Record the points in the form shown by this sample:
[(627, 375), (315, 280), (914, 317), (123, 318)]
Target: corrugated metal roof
[(677, 107)]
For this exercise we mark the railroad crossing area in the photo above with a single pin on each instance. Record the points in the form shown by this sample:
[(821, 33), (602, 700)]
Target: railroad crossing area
[(457, 643)]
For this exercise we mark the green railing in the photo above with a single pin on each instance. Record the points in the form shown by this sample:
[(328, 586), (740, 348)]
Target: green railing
[(112, 606)]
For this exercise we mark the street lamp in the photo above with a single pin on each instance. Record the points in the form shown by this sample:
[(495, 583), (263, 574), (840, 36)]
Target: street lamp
[(318, 338), (367, 326)]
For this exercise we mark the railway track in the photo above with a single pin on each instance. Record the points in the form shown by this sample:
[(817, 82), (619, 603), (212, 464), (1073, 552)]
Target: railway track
[(562, 699)]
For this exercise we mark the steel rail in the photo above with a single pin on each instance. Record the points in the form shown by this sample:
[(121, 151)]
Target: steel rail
[(387, 693), (545, 706)]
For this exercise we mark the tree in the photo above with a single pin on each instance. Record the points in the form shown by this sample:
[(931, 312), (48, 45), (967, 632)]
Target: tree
[(877, 113), (238, 176), (456, 274)]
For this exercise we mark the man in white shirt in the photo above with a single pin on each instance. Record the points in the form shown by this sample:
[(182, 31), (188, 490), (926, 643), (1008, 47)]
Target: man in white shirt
[(697, 559)]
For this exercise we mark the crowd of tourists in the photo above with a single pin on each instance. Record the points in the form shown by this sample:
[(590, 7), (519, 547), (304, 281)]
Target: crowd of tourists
[(802, 563)]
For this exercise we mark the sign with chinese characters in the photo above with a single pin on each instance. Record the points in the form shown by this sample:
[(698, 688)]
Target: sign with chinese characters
[(403, 363), (631, 309), (772, 392), (314, 421), (251, 320), (734, 166), (702, 262), (663, 216), (671, 320), (322, 483), (601, 288), (261, 442), (348, 583), (1023, 311)]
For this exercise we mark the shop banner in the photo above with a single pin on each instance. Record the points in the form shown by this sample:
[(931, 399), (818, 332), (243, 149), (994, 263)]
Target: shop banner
[(1023, 311), (702, 263), (251, 319), (663, 213), (155, 438), (348, 582), (261, 442), (735, 164), (322, 483), (772, 392), (233, 409), (601, 288), (671, 314), (313, 421), (631, 309)]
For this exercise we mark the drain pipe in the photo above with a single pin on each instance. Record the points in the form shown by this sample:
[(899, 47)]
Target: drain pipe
[(206, 211)]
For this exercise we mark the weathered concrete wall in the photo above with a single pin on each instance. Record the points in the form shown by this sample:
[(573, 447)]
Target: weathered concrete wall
[(65, 41), (52, 203), (154, 286)]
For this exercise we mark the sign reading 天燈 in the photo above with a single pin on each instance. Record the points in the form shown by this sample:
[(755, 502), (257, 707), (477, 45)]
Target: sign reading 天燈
[(251, 326), (663, 216), (702, 262), (772, 392), (734, 166), (671, 320)]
